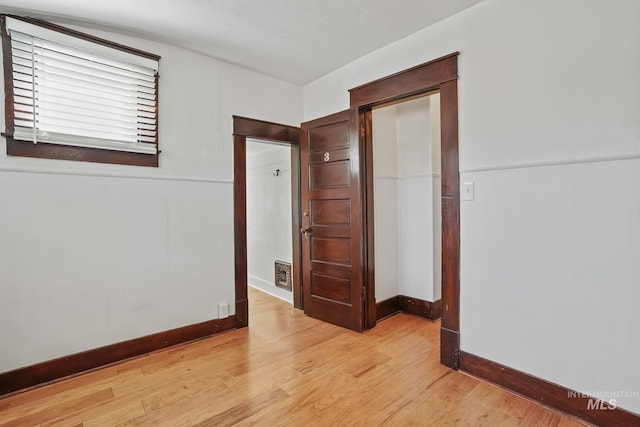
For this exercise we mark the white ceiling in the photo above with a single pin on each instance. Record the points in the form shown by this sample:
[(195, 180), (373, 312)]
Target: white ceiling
[(294, 40)]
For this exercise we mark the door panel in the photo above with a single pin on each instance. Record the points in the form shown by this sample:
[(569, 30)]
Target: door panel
[(331, 224), (332, 250), (328, 137), (330, 212), (331, 288), (329, 175)]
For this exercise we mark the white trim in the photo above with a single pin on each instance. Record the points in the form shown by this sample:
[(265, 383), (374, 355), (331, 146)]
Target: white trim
[(422, 175), (268, 292), (401, 178), (114, 175), (558, 162)]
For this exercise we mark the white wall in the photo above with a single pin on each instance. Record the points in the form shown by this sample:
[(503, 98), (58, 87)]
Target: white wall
[(385, 200), (549, 100), (406, 147), (418, 203), (268, 214), (94, 254)]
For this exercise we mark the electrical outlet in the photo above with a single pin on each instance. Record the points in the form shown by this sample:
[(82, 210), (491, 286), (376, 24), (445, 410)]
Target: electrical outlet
[(223, 311)]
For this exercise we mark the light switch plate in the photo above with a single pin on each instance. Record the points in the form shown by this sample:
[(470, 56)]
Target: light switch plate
[(468, 190)]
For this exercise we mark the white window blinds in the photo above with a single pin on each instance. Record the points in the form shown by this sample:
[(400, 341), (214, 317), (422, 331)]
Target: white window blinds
[(74, 92)]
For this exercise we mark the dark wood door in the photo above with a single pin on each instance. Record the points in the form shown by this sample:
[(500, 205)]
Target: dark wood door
[(331, 222)]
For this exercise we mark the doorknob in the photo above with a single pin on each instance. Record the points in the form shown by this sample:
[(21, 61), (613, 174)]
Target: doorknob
[(305, 231)]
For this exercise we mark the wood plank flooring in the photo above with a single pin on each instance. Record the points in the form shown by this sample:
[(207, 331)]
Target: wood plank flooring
[(286, 369)]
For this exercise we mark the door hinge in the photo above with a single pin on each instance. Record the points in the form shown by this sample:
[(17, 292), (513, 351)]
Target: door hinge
[(364, 293)]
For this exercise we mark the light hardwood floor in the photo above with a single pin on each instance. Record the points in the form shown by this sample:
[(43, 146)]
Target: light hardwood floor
[(285, 369)]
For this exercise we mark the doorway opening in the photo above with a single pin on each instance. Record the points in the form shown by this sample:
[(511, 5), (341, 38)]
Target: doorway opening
[(243, 129), (438, 75), (407, 207), (269, 225)]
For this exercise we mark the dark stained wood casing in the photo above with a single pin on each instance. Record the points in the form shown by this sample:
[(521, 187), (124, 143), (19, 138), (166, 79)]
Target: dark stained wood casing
[(244, 128), (240, 229), (387, 307), (404, 84), (450, 207), (260, 129), (296, 279), (80, 154), (404, 304), (85, 36), (418, 307), (366, 149), (438, 75)]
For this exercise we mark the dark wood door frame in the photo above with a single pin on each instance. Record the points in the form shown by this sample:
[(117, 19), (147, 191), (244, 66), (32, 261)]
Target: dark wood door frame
[(437, 75), (244, 128)]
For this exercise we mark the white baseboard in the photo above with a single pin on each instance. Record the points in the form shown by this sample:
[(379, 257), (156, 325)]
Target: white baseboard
[(269, 288)]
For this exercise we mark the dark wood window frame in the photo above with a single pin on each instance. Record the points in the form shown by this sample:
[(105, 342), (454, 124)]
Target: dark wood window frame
[(65, 152), (244, 128), (438, 75)]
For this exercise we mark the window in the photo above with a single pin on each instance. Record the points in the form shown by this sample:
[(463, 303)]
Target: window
[(73, 96)]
